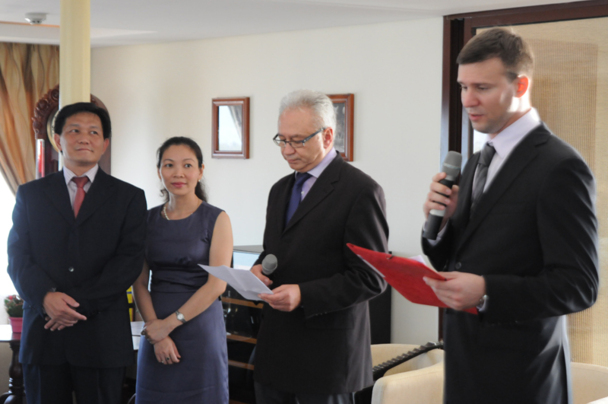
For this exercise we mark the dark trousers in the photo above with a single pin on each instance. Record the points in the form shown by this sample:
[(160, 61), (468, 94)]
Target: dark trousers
[(268, 395), (48, 384)]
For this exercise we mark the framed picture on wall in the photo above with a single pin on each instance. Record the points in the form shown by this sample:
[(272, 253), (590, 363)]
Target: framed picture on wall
[(344, 106), (230, 128)]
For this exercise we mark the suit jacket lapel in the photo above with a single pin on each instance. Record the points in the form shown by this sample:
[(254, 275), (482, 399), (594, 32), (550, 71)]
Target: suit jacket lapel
[(101, 189), (57, 192), (322, 187), (519, 158)]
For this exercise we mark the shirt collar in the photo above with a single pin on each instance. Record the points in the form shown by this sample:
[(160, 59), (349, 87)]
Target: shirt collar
[(506, 140), (319, 168), (69, 174)]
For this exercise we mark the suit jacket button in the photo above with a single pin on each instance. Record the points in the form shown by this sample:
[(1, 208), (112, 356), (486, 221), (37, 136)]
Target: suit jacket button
[(458, 265), (71, 269)]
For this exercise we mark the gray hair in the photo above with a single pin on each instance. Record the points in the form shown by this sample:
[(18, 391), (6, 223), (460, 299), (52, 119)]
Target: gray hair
[(319, 103)]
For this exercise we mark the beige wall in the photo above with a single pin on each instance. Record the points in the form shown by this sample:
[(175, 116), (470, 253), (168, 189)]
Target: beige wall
[(394, 70)]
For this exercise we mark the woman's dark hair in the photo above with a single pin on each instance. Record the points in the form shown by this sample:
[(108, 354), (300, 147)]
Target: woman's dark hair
[(79, 107), (192, 145)]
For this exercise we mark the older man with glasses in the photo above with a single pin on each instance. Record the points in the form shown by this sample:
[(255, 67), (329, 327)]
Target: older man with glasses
[(314, 343)]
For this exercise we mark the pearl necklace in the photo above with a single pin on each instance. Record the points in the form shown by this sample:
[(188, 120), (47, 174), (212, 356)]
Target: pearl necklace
[(167, 216)]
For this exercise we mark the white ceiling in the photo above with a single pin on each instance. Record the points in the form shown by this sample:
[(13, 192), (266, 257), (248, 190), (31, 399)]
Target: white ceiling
[(127, 22)]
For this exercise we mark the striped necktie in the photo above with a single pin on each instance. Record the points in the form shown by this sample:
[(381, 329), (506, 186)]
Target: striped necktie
[(481, 174)]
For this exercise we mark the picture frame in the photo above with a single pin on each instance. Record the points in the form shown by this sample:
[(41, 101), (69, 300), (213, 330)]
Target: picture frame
[(344, 106), (230, 128)]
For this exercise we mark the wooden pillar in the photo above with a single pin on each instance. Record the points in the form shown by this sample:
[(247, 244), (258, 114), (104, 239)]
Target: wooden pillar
[(75, 52)]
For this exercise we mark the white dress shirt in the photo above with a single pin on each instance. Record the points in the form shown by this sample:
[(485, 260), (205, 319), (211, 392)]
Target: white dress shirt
[(316, 171), (505, 141)]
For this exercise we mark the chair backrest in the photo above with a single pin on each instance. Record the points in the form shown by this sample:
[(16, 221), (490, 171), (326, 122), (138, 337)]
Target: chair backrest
[(417, 381), (384, 352), (420, 380), (589, 382)]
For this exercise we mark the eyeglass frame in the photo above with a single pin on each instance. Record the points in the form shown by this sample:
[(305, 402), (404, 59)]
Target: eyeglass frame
[(282, 142)]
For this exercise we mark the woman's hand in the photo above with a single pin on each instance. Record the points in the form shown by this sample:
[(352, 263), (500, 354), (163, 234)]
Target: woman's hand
[(157, 330), (166, 352)]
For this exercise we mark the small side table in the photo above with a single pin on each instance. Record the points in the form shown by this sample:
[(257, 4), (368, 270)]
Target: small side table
[(16, 392)]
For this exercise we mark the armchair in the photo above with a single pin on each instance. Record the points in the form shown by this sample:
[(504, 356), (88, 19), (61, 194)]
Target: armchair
[(589, 383), (417, 381)]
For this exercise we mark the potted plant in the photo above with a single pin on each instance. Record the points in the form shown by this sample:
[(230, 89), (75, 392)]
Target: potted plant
[(14, 308)]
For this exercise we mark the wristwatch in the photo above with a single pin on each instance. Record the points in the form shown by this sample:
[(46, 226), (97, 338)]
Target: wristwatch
[(180, 317), (482, 302)]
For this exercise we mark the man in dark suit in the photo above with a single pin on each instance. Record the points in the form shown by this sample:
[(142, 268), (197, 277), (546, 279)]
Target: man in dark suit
[(75, 248), (314, 342), (519, 239)]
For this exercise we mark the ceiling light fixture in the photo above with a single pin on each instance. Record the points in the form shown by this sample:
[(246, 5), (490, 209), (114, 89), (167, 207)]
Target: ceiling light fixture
[(35, 18)]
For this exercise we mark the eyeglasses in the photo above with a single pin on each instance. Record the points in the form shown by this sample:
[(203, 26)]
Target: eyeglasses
[(296, 144)]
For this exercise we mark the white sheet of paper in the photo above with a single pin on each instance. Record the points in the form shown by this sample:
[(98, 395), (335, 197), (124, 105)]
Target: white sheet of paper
[(418, 258), (245, 282)]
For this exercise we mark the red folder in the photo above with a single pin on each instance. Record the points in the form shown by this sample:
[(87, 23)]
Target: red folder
[(404, 275)]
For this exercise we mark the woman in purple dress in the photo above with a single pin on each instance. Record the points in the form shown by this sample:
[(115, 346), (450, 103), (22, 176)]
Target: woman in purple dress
[(183, 358)]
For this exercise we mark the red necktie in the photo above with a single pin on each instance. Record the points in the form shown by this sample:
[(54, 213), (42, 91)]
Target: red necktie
[(80, 182)]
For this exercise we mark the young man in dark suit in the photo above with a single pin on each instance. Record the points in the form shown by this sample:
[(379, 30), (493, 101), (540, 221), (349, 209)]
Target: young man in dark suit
[(76, 246), (314, 342), (519, 239)]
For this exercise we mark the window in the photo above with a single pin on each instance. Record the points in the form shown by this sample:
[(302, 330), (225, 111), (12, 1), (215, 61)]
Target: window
[(7, 202)]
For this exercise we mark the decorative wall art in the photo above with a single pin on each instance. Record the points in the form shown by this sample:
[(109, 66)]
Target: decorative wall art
[(230, 128), (344, 105)]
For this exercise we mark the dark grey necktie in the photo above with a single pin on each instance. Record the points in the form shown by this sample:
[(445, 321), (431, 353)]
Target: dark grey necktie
[(481, 174)]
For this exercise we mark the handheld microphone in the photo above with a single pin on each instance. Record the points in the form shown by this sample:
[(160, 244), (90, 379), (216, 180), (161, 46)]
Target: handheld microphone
[(451, 166), (269, 264)]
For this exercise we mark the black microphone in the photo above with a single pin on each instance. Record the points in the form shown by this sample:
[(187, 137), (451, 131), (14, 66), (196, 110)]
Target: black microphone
[(269, 264), (451, 166)]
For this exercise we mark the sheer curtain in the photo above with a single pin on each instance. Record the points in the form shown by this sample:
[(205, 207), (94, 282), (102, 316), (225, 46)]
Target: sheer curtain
[(27, 72)]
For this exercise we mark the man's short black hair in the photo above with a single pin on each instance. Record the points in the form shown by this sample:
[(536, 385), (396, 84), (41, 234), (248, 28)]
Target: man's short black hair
[(77, 108)]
